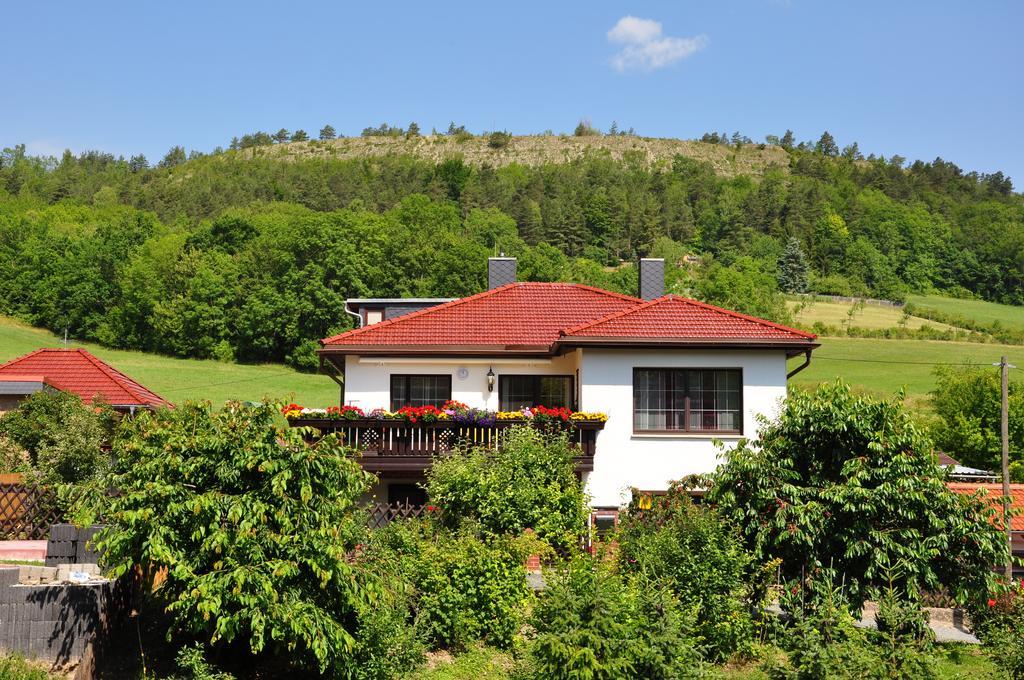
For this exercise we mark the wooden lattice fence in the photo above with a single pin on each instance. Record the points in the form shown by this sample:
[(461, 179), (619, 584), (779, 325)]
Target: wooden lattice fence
[(26, 511), (382, 514)]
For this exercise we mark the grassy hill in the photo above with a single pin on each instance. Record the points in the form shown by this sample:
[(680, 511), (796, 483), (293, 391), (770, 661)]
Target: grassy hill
[(181, 379), (868, 316), (977, 310), (885, 366), (533, 150)]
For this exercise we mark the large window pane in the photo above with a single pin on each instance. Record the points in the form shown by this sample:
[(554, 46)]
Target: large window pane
[(520, 391), (692, 400), (420, 390)]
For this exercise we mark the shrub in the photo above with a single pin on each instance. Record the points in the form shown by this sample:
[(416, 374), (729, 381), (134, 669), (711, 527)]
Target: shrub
[(499, 140), (528, 483), (703, 562), (847, 485), (999, 623), (592, 623), (253, 526), (57, 441), (461, 588)]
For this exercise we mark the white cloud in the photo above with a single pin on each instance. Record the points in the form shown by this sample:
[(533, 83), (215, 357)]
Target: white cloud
[(645, 48)]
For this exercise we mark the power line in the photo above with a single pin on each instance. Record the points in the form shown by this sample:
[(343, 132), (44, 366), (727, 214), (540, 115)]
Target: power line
[(888, 361)]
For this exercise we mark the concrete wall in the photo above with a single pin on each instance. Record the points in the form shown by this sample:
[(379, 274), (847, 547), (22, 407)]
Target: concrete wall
[(650, 461), (368, 380)]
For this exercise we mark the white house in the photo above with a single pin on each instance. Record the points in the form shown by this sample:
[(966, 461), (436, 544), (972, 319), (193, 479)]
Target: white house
[(672, 374)]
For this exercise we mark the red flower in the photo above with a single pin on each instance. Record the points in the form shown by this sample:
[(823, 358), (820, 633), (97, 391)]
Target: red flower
[(431, 508), (991, 602)]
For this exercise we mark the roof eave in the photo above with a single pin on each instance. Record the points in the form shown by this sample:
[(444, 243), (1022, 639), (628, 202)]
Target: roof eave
[(794, 346), (435, 350)]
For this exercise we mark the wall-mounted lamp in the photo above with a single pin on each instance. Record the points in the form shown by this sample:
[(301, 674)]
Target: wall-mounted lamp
[(490, 379)]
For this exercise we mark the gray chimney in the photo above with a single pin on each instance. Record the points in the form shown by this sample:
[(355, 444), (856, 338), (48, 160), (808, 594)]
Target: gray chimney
[(652, 277), (500, 271)]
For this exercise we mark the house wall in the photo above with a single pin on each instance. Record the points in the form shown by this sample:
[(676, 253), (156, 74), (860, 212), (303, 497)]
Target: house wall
[(650, 461), (368, 381)]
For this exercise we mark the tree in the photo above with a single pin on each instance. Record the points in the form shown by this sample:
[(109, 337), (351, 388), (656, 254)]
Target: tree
[(174, 157), (967, 402), (793, 268), (252, 526), (327, 132), (585, 129), (841, 488), (744, 287), (614, 129), (300, 136), (826, 145), (787, 140), (62, 437), (414, 130), (138, 163), (281, 136)]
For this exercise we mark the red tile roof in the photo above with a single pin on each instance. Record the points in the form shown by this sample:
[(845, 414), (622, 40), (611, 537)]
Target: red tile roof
[(518, 315), (674, 317), (79, 372), (995, 498), (536, 317)]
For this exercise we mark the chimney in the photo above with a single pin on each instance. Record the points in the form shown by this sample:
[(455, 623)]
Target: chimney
[(652, 277), (500, 271)]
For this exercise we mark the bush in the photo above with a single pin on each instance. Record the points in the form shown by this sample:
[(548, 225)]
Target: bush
[(592, 623), (529, 483), (62, 437), (844, 486), (999, 623), (461, 588), (703, 562), (253, 527), (499, 140)]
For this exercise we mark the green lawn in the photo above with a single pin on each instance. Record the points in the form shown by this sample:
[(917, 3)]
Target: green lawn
[(1010, 316), (884, 366), (181, 379), (869, 316)]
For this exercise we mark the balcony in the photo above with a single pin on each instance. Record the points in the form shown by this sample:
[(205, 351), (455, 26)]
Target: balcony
[(401, 447)]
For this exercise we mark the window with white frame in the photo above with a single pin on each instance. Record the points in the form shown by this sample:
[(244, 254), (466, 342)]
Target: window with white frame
[(688, 400)]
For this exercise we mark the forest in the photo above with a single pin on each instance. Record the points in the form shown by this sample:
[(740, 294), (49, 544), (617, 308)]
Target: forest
[(249, 257)]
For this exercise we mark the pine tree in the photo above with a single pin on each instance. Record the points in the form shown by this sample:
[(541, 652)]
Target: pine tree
[(327, 132), (138, 163), (787, 140), (281, 136), (793, 268), (414, 130), (827, 145), (300, 136)]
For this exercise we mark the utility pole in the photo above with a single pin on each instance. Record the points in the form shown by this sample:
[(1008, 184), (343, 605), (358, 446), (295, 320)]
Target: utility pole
[(1004, 370)]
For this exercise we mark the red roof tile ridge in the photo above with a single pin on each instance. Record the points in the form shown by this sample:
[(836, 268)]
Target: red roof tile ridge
[(143, 394), (697, 303), (614, 315), (470, 298)]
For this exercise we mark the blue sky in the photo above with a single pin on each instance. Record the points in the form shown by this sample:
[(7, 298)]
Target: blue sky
[(922, 79)]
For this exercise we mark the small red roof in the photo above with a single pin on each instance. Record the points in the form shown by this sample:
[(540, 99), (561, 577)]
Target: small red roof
[(995, 497), (79, 372), (516, 316), (538, 317), (673, 317)]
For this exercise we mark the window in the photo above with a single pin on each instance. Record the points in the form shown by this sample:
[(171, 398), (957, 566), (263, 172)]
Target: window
[(688, 400), (420, 390), (519, 391), (373, 315)]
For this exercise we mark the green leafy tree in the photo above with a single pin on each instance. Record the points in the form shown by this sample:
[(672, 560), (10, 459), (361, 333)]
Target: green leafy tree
[(173, 158), (744, 287), (62, 437), (967, 402), (787, 140), (327, 132), (252, 525), (793, 268), (840, 487), (300, 136), (528, 483), (281, 136), (413, 130)]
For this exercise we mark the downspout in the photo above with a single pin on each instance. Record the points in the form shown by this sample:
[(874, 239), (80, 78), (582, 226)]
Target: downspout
[(358, 316), (805, 364)]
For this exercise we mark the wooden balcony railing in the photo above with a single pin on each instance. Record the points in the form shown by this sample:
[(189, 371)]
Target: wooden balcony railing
[(397, 445)]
